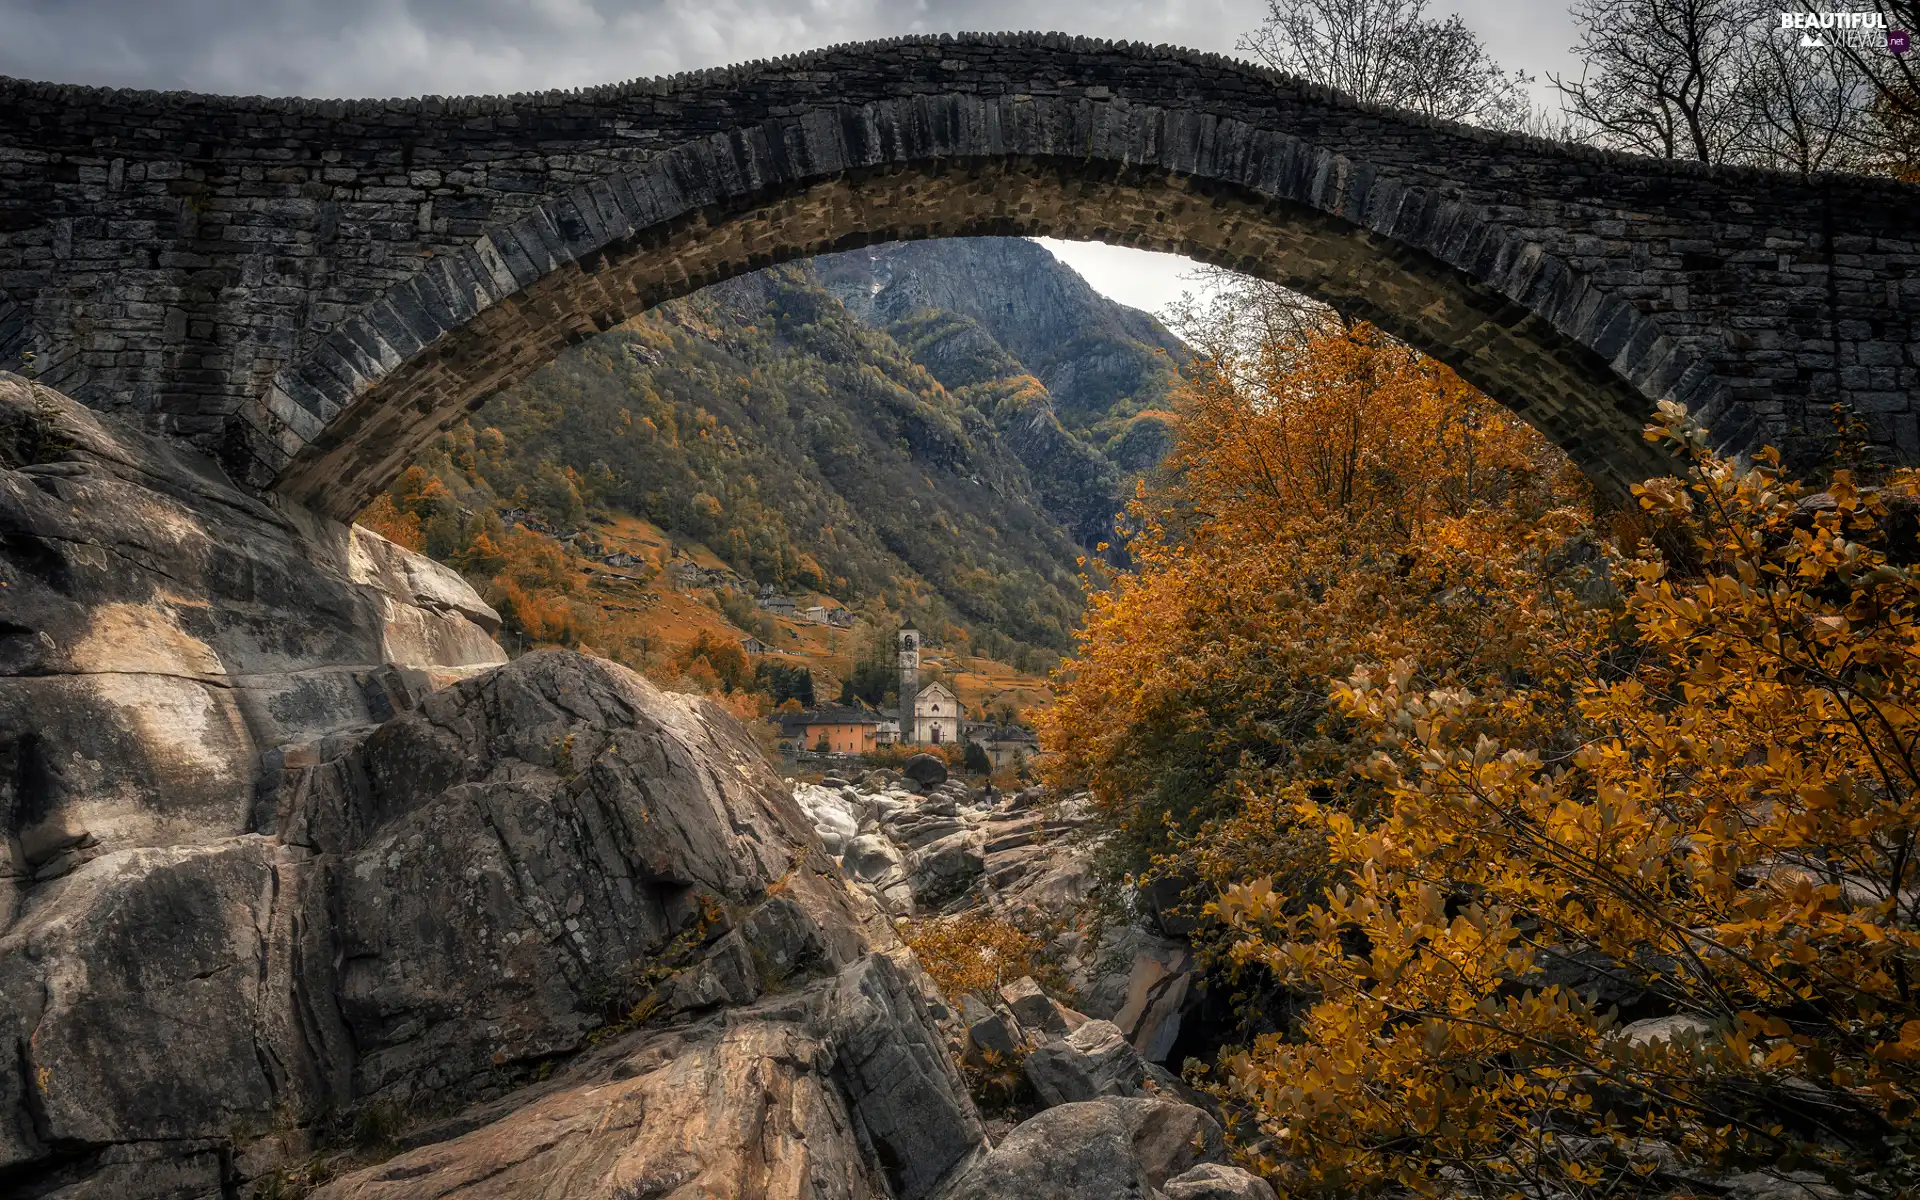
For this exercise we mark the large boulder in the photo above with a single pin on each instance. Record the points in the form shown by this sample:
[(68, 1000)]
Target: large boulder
[(873, 858), (1093, 1061), (1111, 1149), (1217, 1181), (555, 824), (1137, 979), (288, 853), (944, 870), (927, 770), (1036, 1011)]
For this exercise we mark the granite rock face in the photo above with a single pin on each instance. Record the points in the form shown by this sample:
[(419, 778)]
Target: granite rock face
[(289, 854), (1093, 1061), (456, 902), (552, 824), (1217, 1181), (161, 629), (837, 1091), (165, 638)]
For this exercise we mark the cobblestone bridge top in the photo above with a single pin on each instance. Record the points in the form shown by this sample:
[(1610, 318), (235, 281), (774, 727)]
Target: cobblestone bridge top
[(311, 289)]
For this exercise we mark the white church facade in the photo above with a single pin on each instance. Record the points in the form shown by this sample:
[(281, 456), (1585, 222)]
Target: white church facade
[(929, 716), (936, 716)]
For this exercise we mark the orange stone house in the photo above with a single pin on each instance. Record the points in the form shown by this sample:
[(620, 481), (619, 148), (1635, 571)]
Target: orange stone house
[(844, 730)]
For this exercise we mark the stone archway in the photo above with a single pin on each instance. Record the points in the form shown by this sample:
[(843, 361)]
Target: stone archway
[(1518, 322), (311, 288)]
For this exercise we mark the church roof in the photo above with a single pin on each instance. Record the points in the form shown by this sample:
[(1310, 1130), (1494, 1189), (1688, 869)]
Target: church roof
[(827, 714), (1001, 733)]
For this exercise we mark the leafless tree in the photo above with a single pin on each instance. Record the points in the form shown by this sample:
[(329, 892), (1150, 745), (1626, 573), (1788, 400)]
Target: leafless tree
[(1389, 52), (1803, 109), (1892, 133), (1661, 77), (1384, 52), (1234, 319), (1723, 81)]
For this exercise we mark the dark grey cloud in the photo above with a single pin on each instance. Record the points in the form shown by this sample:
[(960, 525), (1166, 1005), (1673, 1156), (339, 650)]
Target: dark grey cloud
[(413, 47)]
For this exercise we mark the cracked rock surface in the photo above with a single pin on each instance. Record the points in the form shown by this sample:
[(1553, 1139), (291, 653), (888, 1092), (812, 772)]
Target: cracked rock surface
[(299, 882), (450, 912)]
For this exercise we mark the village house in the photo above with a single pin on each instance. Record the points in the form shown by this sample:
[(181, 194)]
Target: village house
[(816, 613), (888, 732), (840, 618), (1005, 745), (753, 645), (936, 715), (779, 606), (688, 575), (833, 728)]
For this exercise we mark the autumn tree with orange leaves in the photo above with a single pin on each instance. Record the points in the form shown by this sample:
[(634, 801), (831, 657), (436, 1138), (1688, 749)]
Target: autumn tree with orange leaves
[(1456, 766), (1331, 502), (1733, 837)]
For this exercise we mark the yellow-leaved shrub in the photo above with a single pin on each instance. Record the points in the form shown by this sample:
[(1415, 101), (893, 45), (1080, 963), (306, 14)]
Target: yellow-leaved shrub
[(1340, 501), (974, 951)]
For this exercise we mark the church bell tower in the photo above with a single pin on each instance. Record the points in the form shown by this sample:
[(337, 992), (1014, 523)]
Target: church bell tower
[(909, 639)]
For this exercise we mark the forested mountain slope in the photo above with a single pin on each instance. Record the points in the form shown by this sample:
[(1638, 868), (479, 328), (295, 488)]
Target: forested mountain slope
[(915, 458), (1101, 361), (1076, 384)]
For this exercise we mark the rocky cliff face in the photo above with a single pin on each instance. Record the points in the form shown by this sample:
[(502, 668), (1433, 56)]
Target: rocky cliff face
[(286, 856), (162, 631), (1093, 355)]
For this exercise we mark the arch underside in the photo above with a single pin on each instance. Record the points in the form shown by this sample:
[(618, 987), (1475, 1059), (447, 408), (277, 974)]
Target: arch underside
[(15, 335), (1570, 391)]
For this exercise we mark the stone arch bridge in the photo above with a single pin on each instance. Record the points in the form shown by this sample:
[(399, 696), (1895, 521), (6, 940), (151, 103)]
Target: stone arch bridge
[(311, 289)]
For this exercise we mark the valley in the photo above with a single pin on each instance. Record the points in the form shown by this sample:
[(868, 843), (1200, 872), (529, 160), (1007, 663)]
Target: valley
[(909, 433)]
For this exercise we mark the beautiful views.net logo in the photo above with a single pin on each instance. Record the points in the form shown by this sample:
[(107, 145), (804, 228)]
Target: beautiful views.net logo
[(1860, 30)]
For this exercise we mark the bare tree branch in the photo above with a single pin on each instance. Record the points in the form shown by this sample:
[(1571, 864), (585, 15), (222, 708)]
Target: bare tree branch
[(1661, 75), (1389, 52)]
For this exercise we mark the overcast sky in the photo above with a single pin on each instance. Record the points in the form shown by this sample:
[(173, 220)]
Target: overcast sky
[(351, 48)]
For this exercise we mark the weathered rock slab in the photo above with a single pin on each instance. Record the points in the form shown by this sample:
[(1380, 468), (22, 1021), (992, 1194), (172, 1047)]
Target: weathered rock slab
[(1217, 1181), (161, 629), (1093, 1061), (1113, 1149), (927, 770), (748, 1104)]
